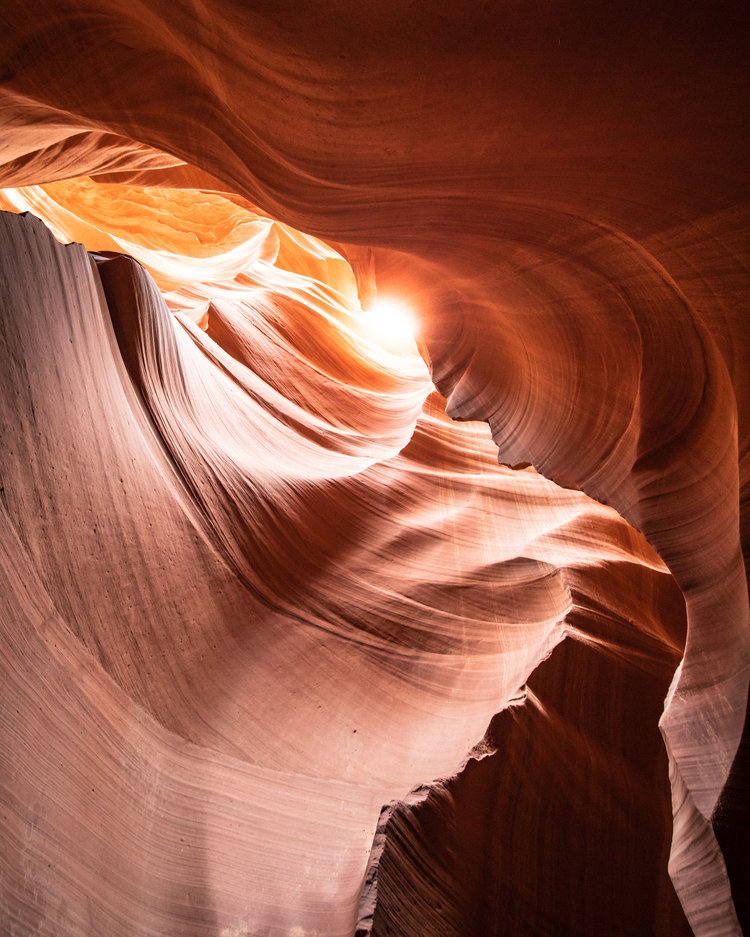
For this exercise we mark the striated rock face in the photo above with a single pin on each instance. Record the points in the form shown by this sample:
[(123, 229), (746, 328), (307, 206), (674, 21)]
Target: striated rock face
[(307, 630)]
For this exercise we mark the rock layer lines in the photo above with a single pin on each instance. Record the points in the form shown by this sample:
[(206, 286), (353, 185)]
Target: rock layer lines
[(260, 578)]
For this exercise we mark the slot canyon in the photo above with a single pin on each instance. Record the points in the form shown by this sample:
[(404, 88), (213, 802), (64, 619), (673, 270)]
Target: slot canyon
[(374, 469)]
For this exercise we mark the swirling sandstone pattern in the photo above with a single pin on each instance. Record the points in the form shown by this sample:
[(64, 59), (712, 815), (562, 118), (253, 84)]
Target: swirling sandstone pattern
[(256, 583)]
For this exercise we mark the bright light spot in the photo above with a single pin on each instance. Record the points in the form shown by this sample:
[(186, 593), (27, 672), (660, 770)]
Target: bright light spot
[(391, 322)]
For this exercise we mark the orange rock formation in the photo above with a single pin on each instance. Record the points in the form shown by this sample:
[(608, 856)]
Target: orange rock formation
[(294, 643)]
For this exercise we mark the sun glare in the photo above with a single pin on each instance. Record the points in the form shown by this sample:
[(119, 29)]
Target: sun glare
[(391, 322)]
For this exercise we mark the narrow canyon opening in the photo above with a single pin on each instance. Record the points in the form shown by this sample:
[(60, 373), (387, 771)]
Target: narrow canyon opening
[(373, 471)]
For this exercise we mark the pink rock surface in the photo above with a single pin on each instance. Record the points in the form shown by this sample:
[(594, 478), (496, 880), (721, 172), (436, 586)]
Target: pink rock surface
[(257, 584)]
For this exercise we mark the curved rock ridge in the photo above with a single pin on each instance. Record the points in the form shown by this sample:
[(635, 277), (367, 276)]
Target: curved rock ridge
[(267, 575)]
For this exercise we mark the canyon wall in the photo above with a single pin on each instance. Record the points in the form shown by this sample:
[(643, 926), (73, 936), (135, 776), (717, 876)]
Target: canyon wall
[(308, 630)]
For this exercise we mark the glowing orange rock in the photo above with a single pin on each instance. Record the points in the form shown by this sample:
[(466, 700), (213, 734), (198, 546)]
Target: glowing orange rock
[(256, 583)]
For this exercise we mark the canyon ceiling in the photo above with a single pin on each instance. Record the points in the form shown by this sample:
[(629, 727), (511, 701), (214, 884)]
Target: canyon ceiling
[(309, 629)]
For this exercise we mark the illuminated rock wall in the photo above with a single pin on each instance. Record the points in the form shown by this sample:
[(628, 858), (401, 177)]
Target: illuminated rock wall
[(258, 585)]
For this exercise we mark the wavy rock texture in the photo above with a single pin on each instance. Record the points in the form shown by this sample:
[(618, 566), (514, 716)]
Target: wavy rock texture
[(258, 584)]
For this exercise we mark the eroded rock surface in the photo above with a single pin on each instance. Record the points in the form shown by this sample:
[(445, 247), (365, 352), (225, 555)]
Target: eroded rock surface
[(257, 583)]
